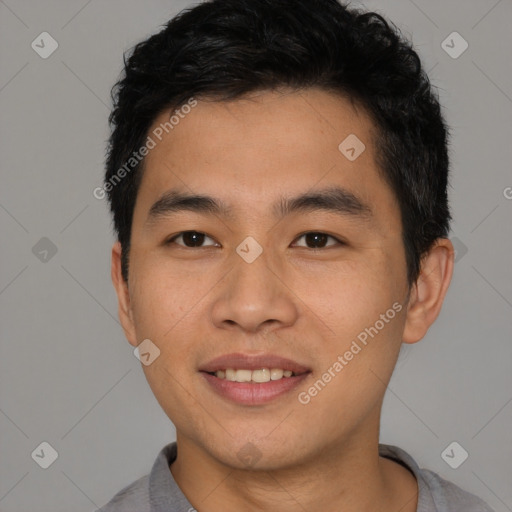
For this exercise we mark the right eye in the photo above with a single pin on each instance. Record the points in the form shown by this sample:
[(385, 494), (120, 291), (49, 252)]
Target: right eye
[(190, 239)]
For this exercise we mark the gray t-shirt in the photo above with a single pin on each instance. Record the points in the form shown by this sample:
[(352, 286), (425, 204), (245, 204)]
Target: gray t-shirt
[(158, 491)]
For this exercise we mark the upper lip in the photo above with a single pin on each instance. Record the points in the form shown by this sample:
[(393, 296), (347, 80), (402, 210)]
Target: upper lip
[(239, 361)]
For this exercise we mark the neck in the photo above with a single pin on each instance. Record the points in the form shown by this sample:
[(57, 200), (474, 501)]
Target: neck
[(349, 476)]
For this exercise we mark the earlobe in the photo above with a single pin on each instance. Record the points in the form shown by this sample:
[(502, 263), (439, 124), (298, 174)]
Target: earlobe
[(429, 291), (123, 295)]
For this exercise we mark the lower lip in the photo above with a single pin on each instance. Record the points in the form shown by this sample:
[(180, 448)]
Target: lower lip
[(253, 393)]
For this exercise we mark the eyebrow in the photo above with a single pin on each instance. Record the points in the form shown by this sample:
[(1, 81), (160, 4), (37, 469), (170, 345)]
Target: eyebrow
[(333, 199)]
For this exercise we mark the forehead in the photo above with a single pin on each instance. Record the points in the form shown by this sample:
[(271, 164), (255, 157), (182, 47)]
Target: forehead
[(271, 144)]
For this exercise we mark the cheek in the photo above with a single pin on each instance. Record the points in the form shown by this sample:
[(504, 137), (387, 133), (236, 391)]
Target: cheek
[(166, 311), (348, 297), (163, 294)]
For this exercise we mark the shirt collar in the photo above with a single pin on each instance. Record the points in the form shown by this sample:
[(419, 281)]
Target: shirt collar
[(164, 493), (425, 500)]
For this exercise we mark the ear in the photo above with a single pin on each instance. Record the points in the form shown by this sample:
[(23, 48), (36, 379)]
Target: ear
[(427, 294), (123, 295)]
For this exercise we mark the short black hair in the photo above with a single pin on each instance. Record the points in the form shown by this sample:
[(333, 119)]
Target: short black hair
[(225, 49)]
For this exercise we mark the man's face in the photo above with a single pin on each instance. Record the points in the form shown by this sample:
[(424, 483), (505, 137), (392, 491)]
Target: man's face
[(328, 272)]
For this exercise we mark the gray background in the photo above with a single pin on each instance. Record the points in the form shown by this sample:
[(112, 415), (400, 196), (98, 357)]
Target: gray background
[(68, 376)]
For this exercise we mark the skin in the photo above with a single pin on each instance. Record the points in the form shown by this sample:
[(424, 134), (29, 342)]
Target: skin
[(196, 303)]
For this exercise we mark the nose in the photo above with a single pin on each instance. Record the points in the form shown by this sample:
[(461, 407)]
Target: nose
[(253, 297)]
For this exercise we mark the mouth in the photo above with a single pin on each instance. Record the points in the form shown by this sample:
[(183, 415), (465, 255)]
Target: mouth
[(253, 380), (257, 376)]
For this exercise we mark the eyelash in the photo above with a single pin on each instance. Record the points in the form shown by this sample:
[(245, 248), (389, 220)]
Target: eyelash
[(339, 242)]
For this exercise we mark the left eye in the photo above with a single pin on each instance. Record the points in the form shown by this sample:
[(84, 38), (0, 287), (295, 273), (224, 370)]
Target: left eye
[(318, 240), (191, 239)]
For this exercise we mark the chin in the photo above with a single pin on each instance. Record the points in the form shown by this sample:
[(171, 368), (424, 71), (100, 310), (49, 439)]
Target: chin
[(256, 455)]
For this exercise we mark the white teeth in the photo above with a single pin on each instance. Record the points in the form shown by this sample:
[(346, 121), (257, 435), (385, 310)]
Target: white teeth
[(260, 375), (276, 373), (230, 374), (243, 375)]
